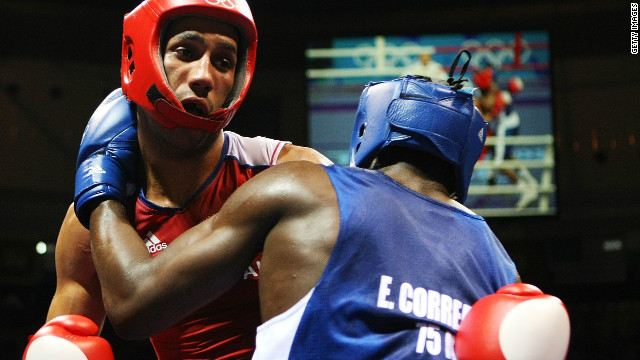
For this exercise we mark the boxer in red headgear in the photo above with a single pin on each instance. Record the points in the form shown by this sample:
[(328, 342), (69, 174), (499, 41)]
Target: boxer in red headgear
[(159, 145), (143, 75), (497, 109)]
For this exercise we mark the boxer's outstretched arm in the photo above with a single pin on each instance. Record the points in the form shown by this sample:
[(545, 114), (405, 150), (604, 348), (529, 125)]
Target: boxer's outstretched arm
[(143, 295), (77, 285)]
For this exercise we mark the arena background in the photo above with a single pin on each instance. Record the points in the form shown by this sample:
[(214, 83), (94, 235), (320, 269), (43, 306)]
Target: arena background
[(338, 68), (59, 59)]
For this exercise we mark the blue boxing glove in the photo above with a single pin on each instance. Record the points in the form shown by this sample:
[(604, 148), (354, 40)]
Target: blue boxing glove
[(108, 156)]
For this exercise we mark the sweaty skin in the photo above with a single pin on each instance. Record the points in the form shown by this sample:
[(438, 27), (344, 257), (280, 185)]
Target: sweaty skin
[(78, 288), (298, 213), (290, 212)]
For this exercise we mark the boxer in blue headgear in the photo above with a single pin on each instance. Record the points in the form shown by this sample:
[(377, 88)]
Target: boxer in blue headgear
[(357, 263), (416, 113)]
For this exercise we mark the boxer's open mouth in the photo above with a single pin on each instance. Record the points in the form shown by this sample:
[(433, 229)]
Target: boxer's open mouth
[(196, 106), (194, 109)]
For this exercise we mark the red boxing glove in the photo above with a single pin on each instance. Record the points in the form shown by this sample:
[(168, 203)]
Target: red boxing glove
[(68, 337), (519, 321), (515, 84)]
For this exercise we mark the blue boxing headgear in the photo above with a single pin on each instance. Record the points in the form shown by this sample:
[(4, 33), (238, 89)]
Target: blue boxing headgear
[(416, 113)]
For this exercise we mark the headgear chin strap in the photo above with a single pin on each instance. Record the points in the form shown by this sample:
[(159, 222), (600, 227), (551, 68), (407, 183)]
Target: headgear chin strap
[(416, 113), (142, 71)]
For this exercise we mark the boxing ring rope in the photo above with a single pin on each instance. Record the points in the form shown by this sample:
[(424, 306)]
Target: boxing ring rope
[(546, 186), (383, 59)]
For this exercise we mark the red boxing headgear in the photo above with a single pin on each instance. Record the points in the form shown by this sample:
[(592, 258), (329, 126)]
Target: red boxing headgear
[(142, 70), (483, 78)]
